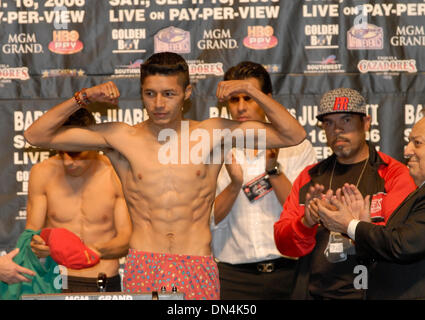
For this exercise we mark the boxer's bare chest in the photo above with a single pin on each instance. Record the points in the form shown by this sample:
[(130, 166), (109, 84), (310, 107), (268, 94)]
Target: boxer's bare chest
[(80, 199)]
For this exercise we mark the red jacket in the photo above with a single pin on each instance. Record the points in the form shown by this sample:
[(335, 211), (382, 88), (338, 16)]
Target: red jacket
[(385, 179)]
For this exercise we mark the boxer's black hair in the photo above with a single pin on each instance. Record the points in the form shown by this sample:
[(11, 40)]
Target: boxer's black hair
[(249, 69), (81, 118), (165, 63)]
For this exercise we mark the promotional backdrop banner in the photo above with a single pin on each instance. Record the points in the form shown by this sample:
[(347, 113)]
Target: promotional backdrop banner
[(50, 49)]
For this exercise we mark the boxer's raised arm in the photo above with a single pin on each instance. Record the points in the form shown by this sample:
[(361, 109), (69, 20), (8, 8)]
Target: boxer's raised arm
[(284, 130), (48, 132)]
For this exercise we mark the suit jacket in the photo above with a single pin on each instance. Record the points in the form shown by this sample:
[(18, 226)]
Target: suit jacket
[(396, 250)]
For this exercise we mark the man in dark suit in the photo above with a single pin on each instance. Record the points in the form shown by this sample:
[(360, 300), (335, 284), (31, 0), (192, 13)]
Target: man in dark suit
[(394, 253)]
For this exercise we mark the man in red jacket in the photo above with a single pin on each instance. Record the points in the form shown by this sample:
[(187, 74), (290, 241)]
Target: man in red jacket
[(329, 258), (397, 250)]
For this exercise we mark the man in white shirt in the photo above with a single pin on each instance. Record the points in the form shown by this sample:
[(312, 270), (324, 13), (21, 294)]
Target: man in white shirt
[(251, 191)]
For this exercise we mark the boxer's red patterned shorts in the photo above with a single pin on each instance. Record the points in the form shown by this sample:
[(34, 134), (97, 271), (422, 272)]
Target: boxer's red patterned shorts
[(195, 276)]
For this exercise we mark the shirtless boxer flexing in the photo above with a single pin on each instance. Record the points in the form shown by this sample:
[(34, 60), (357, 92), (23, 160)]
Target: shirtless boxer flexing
[(81, 192), (169, 204)]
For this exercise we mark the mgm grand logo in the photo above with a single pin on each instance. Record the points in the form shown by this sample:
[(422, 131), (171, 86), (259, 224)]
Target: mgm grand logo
[(365, 37), (22, 43), (172, 39)]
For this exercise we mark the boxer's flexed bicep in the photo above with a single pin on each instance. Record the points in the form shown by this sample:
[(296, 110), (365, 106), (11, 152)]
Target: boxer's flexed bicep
[(48, 130), (95, 137)]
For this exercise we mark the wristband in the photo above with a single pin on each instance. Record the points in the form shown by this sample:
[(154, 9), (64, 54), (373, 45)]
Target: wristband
[(81, 103), (84, 94), (275, 171)]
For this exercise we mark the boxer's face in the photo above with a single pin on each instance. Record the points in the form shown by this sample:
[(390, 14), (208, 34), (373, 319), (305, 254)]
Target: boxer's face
[(346, 134), (415, 152), (76, 163), (163, 97), (242, 107)]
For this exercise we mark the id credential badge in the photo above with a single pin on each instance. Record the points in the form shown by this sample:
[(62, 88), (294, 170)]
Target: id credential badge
[(257, 187)]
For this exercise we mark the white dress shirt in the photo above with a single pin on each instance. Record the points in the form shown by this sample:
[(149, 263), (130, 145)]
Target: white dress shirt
[(351, 230), (246, 234)]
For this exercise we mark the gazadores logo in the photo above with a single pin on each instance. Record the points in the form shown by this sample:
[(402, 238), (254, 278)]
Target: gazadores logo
[(198, 69), (387, 64), (65, 42), (19, 73)]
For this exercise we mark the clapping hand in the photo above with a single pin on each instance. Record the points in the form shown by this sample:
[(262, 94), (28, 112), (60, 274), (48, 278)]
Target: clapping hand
[(348, 206)]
